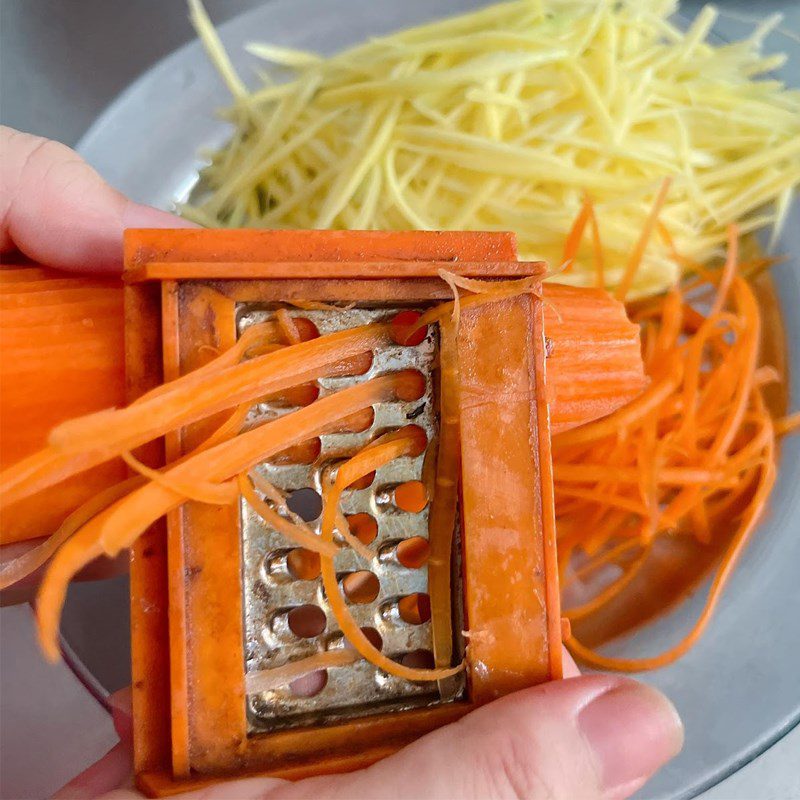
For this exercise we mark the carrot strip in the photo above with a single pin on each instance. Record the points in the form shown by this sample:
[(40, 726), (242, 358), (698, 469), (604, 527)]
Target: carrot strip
[(266, 680), (635, 260), (575, 234), (728, 271), (287, 326), (273, 494), (121, 524), (295, 533), (442, 519), (82, 443), (788, 424), (215, 494), (371, 458), (22, 566)]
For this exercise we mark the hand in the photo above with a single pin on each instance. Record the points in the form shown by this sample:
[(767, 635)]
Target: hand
[(56, 210), (578, 739), (584, 738)]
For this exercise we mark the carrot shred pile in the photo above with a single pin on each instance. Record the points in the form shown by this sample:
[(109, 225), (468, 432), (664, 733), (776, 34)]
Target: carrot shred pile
[(693, 456)]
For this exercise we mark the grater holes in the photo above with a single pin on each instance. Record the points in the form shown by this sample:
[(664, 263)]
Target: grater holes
[(412, 553), (364, 527), (411, 496), (286, 565), (302, 564), (372, 636), (295, 396), (410, 386), (338, 640), (403, 329), (306, 503), (360, 587), (309, 685), (307, 621), (303, 453), (305, 328), (415, 609), (418, 659)]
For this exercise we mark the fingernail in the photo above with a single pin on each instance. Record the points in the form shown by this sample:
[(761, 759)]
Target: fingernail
[(121, 714), (633, 730)]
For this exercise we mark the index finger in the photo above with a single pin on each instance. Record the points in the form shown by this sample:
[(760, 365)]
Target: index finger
[(59, 212)]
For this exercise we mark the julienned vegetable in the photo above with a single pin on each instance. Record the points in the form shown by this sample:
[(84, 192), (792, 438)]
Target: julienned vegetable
[(581, 388), (506, 118), (693, 456)]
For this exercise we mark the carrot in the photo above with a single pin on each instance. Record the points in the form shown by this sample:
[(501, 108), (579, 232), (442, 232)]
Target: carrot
[(122, 523), (442, 520), (85, 442), (266, 680), (693, 455), (635, 260), (383, 450), (575, 234), (291, 530), (274, 495), (214, 494), (31, 560), (69, 339)]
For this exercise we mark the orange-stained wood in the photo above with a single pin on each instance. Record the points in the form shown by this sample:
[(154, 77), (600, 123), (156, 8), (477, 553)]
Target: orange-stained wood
[(507, 525), (179, 696)]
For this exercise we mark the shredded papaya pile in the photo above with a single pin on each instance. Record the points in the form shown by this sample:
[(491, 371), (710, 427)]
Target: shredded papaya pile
[(693, 456)]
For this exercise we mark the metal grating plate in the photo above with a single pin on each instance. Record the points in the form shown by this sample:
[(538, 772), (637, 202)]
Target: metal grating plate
[(270, 590)]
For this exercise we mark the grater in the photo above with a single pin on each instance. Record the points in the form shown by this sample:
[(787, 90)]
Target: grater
[(218, 596)]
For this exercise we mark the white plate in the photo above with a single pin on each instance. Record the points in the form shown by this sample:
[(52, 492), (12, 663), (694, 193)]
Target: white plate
[(738, 690)]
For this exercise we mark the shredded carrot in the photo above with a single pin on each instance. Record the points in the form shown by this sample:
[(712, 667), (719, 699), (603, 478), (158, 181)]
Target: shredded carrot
[(575, 235), (375, 455), (635, 260), (298, 534), (118, 526), (694, 455), (287, 326), (22, 566), (788, 424), (82, 443), (266, 680), (215, 494), (274, 494)]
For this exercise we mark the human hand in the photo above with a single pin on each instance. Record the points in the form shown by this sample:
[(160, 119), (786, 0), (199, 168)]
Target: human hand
[(57, 211), (597, 737)]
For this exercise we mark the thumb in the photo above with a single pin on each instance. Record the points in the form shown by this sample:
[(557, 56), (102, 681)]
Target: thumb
[(592, 737), (59, 212)]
